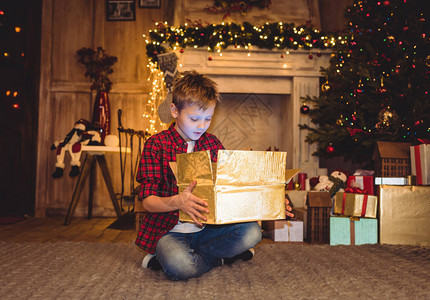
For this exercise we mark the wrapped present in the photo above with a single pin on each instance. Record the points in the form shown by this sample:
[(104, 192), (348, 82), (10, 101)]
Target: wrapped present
[(362, 182), (409, 180), (355, 204), (420, 163), (301, 214), (242, 186), (404, 213), (350, 231), (284, 231)]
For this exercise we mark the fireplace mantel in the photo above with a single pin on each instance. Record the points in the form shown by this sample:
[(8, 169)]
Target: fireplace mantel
[(293, 74)]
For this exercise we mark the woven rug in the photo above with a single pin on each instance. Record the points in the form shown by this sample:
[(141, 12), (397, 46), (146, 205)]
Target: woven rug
[(78, 270)]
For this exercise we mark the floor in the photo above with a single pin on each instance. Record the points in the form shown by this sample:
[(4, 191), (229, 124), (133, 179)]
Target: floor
[(52, 229)]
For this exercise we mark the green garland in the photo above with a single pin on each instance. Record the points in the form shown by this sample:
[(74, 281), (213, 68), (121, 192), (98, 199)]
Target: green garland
[(220, 36)]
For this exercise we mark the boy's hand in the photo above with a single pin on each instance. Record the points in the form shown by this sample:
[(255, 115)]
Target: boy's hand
[(193, 205), (289, 208)]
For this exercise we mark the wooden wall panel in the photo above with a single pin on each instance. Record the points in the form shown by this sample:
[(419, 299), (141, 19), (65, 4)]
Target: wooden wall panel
[(65, 96), (72, 29)]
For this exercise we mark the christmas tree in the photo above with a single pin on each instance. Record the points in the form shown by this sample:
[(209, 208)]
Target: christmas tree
[(377, 85)]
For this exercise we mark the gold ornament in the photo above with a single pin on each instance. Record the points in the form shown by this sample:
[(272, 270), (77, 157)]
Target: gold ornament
[(297, 186), (326, 87), (386, 118)]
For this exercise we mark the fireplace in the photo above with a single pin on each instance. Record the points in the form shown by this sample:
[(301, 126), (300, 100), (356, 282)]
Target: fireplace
[(261, 99)]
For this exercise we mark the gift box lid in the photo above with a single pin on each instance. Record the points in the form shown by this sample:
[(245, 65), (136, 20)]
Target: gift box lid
[(318, 199)]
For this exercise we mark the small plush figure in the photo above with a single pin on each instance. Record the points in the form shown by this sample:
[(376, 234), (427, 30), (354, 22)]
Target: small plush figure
[(78, 136), (334, 183)]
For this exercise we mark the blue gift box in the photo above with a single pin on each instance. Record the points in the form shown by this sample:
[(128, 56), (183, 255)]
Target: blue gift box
[(347, 231)]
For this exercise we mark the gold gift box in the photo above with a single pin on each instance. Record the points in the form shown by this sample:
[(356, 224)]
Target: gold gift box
[(242, 186), (354, 205), (404, 215)]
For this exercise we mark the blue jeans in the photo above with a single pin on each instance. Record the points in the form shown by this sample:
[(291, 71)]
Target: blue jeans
[(187, 255)]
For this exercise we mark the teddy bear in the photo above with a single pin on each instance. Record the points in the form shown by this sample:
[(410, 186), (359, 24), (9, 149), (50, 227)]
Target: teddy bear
[(81, 134)]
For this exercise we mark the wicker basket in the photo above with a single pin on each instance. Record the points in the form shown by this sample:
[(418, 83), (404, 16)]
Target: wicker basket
[(318, 217)]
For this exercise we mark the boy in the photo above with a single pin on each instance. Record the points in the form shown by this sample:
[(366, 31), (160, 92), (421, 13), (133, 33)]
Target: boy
[(186, 250)]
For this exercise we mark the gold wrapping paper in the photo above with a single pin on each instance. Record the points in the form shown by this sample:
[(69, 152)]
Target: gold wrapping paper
[(354, 205), (404, 214), (243, 186)]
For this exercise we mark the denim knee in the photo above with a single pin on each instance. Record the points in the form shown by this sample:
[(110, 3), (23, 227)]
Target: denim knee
[(179, 263), (252, 234), (181, 266)]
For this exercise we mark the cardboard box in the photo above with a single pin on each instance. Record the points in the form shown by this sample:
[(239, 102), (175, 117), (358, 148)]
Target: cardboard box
[(361, 182), (355, 205), (242, 186), (284, 231), (404, 213), (347, 231), (297, 197), (420, 163)]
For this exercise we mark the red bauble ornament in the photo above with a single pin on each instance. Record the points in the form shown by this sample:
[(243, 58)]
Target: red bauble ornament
[(386, 3), (282, 55), (329, 149), (182, 50), (210, 58), (304, 109), (310, 56)]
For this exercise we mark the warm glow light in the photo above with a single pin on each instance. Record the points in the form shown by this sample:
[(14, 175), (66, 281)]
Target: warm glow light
[(17, 29)]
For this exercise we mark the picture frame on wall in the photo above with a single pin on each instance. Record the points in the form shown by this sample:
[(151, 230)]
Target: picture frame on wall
[(120, 10), (149, 3)]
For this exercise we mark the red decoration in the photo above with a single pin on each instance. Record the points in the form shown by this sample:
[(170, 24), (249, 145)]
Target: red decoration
[(101, 114), (310, 56), (304, 109), (182, 50), (210, 58), (329, 149), (386, 3), (282, 55)]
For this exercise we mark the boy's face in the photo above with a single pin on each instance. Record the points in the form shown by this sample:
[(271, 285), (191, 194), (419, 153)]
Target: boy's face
[(192, 121)]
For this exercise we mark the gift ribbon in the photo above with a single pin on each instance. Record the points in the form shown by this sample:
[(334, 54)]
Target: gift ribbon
[(352, 231), (364, 207), (418, 165)]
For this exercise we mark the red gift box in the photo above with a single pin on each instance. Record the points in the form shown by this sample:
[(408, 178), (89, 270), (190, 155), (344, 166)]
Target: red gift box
[(364, 183)]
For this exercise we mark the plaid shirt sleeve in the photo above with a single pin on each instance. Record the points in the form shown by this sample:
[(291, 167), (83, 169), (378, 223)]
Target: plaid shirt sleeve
[(149, 171)]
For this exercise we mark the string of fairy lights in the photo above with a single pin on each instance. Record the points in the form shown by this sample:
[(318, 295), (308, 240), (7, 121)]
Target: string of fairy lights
[(156, 96), (277, 36)]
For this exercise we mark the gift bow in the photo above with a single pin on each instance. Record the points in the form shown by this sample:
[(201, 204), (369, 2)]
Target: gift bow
[(424, 141), (356, 190)]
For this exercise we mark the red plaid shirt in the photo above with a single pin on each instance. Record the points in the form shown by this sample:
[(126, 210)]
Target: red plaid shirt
[(156, 178)]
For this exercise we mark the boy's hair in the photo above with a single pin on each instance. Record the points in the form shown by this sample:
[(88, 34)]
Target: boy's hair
[(194, 88)]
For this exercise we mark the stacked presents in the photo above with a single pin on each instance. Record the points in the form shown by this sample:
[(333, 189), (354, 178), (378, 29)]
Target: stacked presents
[(390, 205), (355, 209)]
